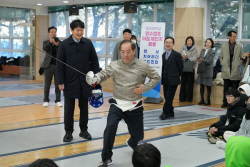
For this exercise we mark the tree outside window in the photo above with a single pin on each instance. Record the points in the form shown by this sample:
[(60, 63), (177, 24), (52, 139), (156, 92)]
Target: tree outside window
[(224, 17)]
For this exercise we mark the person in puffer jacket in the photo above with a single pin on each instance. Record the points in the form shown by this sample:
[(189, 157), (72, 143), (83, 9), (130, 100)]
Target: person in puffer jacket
[(243, 131), (232, 119)]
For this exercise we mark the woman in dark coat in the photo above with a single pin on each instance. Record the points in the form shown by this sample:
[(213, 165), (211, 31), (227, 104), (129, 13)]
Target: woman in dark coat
[(206, 78)]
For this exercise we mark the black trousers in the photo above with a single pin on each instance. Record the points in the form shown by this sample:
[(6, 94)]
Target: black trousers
[(169, 92), (187, 86), (134, 121), (202, 89), (69, 107), (48, 74), (227, 83)]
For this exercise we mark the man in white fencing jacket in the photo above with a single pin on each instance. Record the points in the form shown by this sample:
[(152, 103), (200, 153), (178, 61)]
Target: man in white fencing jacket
[(129, 75)]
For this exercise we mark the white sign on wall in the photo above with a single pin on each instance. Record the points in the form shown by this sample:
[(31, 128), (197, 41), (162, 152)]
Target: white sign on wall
[(151, 50)]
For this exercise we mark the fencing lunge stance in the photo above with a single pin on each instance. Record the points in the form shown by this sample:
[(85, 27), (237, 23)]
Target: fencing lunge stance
[(129, 76)]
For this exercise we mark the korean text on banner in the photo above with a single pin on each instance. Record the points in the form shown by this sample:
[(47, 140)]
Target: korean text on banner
[(151, 50)]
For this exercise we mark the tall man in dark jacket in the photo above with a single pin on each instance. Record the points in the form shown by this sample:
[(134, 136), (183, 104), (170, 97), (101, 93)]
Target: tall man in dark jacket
[(49, 64), (79, 53), (172, 67), (233, 118)]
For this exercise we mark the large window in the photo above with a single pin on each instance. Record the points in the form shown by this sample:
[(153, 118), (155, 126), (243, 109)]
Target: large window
[(96, 21), (16, 34), (246, 20), (12, 37), (118, 21), (166, 14), (224, 17), (5, 44), (13, 32), (104, 25), (145, 13), (99, 47), (4, 28), (58, 20), (246, 47), (18, 31)]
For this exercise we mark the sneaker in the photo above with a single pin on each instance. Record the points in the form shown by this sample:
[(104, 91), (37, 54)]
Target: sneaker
[(85, 135), (106, 163), (59, 104), (221, 144), (45, 104), (213, 139)]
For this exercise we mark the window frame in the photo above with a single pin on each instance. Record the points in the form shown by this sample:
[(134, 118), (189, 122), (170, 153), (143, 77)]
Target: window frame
[(107, 40), (240, 24)]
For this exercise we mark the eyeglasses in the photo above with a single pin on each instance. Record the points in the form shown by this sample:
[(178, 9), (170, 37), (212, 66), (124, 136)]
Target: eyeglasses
[(168, 42)]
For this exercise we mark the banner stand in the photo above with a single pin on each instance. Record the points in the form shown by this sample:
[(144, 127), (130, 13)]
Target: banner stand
[(153, 100), (152, 48)]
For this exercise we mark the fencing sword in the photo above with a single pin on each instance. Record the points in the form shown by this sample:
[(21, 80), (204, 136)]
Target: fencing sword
[(59, 60), (69, 67)]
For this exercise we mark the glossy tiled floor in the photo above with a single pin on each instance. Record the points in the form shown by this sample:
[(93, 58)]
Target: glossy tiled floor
[(29, 131)]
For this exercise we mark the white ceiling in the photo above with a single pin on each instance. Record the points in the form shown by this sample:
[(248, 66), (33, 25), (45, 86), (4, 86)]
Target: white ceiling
[(46, 3)]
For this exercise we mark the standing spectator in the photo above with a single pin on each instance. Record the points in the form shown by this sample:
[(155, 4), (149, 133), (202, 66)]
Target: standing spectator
[(172, 67), (126, 36), (49, 64), (189, 55), (79, 53), (206, 79), (134, 39), (146, 155), (230, 59)]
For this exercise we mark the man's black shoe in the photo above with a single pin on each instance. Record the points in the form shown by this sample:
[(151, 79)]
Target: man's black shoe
[(224, 105), (164, 116), (161, 115), (67, 138), (85, 135)]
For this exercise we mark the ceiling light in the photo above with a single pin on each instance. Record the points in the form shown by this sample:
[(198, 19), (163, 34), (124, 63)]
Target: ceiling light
[(39, 4), (65, 1)]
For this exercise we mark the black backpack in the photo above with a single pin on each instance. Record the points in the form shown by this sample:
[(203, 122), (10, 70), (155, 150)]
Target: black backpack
[(216, 70)]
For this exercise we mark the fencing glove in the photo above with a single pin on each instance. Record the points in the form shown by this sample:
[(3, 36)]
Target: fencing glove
[(91, 78)]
